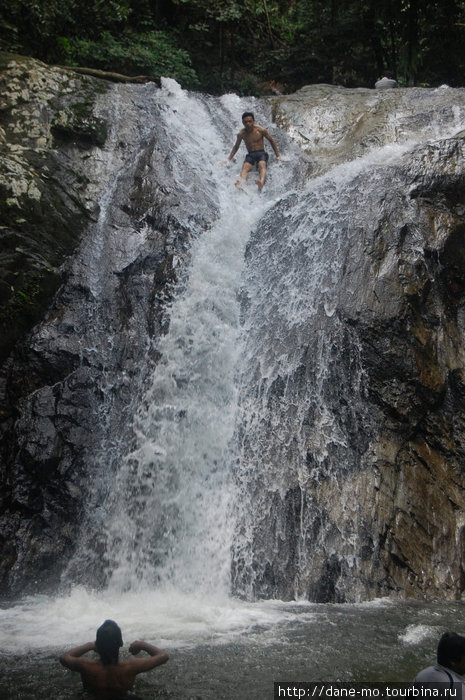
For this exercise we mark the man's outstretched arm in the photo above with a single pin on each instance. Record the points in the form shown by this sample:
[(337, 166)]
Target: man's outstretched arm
[(235, 147), (156, 657), (274, 145)]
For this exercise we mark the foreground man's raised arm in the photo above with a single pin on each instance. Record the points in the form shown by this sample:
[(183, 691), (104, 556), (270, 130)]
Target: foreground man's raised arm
[(72, 659), (156, 657)]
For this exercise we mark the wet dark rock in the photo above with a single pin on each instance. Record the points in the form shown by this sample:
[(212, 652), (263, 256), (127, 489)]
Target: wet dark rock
[(44, 209), (72, 312), (374, 406)]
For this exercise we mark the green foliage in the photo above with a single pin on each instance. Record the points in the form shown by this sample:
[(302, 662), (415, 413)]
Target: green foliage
[(154, 54), (38, 23), (246, 44)]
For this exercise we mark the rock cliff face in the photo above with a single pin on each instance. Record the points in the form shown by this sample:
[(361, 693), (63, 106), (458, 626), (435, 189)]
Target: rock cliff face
[(46, 130), (67, 381), (362, 392), (45, 115), (351, 421)]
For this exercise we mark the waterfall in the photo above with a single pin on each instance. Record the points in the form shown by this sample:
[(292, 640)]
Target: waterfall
[(304, 419), (164, 514), (251, 406), (310, 467), (176, 484), (242, 392)]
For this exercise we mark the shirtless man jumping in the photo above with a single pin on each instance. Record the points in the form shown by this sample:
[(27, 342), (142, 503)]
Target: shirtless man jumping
[(107, 678), (253, 136)]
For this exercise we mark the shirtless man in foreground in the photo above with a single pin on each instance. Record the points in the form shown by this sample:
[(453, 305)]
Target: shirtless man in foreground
[(253, 136), (108, 678)]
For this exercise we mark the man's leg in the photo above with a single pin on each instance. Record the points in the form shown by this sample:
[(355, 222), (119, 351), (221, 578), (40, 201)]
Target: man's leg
[(262, 173), (246, 168)]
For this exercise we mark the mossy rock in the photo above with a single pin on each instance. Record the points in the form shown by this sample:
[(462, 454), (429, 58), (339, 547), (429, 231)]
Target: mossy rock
[(78, 123), (46, 123)]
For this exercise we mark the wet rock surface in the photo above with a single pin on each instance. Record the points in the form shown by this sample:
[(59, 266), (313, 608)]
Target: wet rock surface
[(359, 411), (42, 184), (45, 211), (82, 274)]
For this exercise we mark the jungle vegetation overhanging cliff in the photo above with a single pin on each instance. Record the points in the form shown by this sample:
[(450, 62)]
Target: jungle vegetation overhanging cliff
[(252, 46)]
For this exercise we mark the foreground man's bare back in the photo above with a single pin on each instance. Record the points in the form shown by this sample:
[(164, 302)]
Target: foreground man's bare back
[(112, 681)]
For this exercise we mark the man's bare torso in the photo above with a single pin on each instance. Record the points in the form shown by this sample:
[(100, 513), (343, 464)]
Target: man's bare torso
[(253, 139)]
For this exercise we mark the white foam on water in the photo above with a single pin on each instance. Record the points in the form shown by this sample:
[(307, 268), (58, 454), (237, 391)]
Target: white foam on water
[(166, 617), (415, 634)]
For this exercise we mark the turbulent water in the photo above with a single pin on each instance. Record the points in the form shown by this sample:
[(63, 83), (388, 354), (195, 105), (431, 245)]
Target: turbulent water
[(188, 501)]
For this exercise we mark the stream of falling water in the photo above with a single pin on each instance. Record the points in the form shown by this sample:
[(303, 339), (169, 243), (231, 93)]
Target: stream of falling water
[(176, 524), (168, 516)]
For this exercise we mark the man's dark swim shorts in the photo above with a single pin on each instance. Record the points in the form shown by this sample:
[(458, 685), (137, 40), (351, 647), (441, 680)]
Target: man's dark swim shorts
[(254, 157)]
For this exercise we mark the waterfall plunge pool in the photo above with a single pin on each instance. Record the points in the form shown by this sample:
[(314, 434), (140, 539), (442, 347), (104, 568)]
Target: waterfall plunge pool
[(222, 648)]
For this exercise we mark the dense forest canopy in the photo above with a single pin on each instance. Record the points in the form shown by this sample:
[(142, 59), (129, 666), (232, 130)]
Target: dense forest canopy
[(249, 46)]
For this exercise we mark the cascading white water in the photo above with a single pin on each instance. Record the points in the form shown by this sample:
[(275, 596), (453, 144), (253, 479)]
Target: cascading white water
[(167, 518), (169, 515), (175, 486), (160, 514), (306, 421)]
